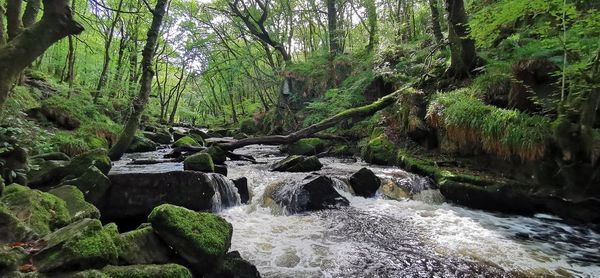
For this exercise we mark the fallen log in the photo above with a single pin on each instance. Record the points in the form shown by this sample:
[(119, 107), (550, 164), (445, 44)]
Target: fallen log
[(356, 112)]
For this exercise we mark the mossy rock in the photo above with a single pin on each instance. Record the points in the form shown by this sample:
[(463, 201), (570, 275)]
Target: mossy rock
[(198, 138), (186, 141), (75, 201), (81, 245), (249, 126), (97, 157), (43, 171), (240, 136), (217, 154), (298, 163), (307, 146), (160, 137), (199, 162), (235, 266), (112, 229), (10, 259), (12, 229), (94, 185), (41, 211), (141, 144), (142, 246), (380, 150), (147, 271), (202, 239)]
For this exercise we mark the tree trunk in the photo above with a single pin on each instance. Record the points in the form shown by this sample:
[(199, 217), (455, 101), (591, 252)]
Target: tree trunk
[(463, 57), (139, 103), (31, 12), (106, 63), (372, 18), (352, 113), (2, 26), (435, 21), (14, 25), (334, 36), (56, 23)]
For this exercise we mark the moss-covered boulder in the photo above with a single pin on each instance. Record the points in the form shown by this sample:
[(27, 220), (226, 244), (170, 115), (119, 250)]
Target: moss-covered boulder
[(199, 162), (44, 172), (307, 146), (202, 239), (142, 246), (41, 211), (217, 154), (97, 157), (186, 141), (81, 245), (380, 150), (177, 134), (13, 229), (297, 163), (161, 136), (141, 144), (249, 126), (94, 185), (75, 201), (235, 266), (147, 271)]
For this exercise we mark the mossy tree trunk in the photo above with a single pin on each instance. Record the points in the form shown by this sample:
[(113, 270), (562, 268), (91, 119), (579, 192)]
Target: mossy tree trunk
[(352, 113), (435, 21), (335, 45), (13, 18), (139, 103), (32, 9), (56, 23), (463, 59)]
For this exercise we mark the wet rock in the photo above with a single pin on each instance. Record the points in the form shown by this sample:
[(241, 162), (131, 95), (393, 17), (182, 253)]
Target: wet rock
[(58, 156), (380, 151), (142, 271), (161, 137), (222, 132), (134, 195), (307, 146), (221, 169), (12, 229), (186, 141), (201, 162), (235, 266), (141, 144), (93, 183), (298, 163), (42, 212), (81, 245), (201, 239), (312, 193), (75, 201), (242, 186), (365, 183), (142, 246), (217, 154)]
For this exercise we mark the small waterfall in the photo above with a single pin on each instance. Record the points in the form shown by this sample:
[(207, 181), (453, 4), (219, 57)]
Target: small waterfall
[(226, 194)]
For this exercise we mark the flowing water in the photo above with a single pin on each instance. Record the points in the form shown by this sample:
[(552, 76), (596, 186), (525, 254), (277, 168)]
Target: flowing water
[(417, 235)]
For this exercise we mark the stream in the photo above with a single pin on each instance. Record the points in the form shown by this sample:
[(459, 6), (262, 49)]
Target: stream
[(416, 236)]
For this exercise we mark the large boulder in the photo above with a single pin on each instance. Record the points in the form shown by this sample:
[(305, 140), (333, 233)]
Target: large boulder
[(13, 229), (235, 266), (201, 239), (199, 162), (217, 154), (242, 187), (41, 211), (75, 202), (142, 246), (186, 141), (147, 271), (297, 163), (161, 136), (365, 183), (306, 146), (141, 144), (134, 195), (81, 163), (93, 183), (81, 245), (380, 150), (312, 193)]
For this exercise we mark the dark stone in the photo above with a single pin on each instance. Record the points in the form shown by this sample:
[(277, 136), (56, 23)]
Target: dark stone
[(365, 183), (221, 169), (298, 163), (235, 266), (134, 195), (161, 137), (242, 186), (217, 154), (312, 193), (141, 144)]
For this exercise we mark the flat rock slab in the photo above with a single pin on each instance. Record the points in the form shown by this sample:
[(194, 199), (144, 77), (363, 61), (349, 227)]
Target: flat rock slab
[(134, 195)]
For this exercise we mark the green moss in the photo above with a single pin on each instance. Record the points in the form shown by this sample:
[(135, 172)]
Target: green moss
[(75, 202), (112, 229), (148, 271), (142, 246), (217, 154), (10, 258), (81, 163), (380, 150), (306, 146), (186, 141), (41, 211), (200, 238), (199, 162)]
